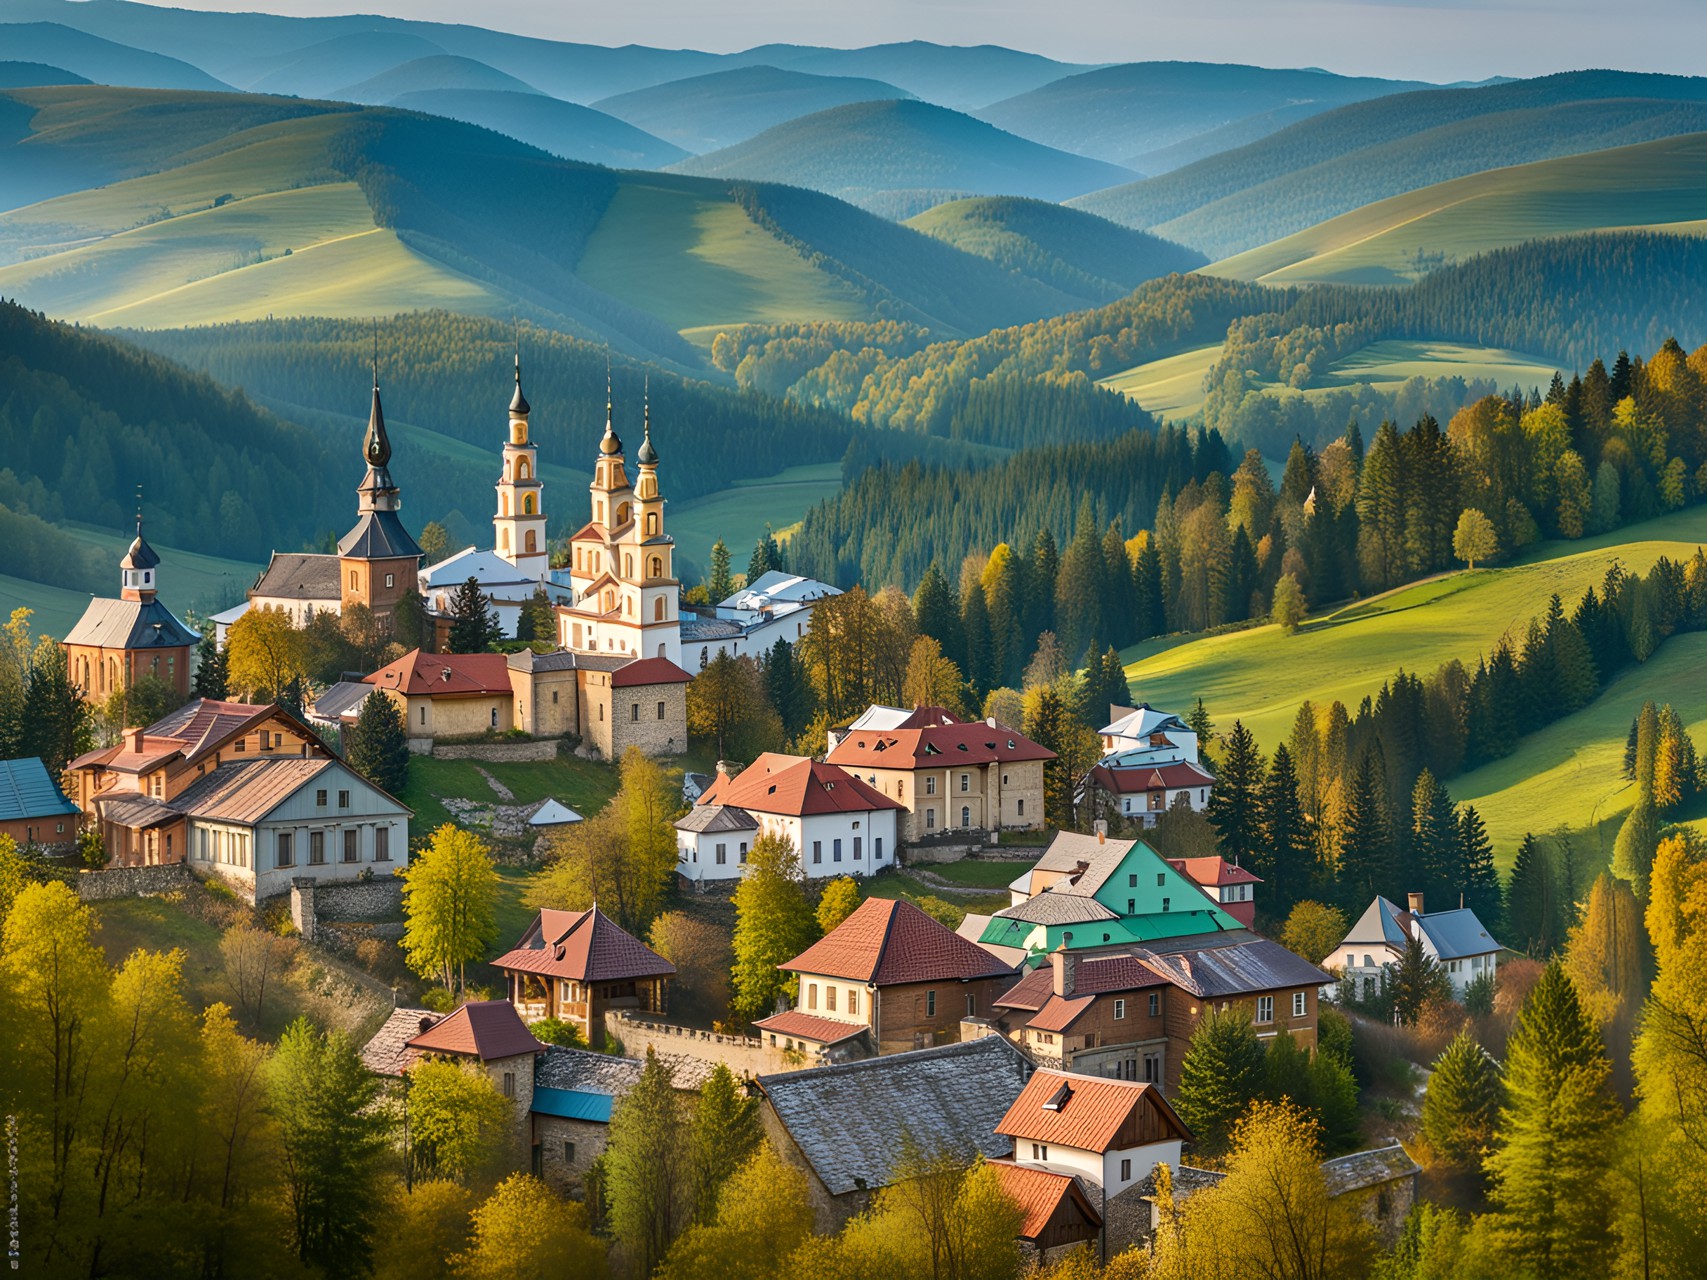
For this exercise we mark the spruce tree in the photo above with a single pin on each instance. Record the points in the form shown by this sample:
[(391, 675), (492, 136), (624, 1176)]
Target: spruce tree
[(1221, 1073), (722, 584), (474, 623), (1532, 911), (1416, 980), (1040, 584), (789, 689), (1481, 880), (1461, 1108), (210, 668), (1079, 590), (1365, 863), (1233, 804), (937, 615), (1434, 861), (378, 746), (1287, 856), (975, 630), (1549, 1167)]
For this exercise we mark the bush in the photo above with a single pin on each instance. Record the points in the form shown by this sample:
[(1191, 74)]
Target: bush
[(438, 999), (941, 910), (219, 889), (558, 1032), (1479, 996)]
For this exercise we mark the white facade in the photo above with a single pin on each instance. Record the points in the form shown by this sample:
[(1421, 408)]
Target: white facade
[(505, 586), (778, 606), (1114, 1170), (1455, 940), (829, 844), (713, 855), (1151, 736)]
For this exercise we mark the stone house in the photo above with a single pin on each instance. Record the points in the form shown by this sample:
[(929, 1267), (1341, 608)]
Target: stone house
[(33, 810), (577, 965)]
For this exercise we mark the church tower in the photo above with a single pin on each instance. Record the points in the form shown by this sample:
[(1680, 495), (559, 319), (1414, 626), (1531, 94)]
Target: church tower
[(136, 570), (649, 569), (377, 560), (519, 525)]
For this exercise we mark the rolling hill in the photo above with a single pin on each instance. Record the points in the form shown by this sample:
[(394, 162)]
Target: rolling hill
[(862, 152), (709, 112), (98, 60), (1122, 112), (1079, 254), (1656, 185), (23, 75), (255, 206), (319, 70), (437, 72), (958, 76), (565, 129), (1356, 154)]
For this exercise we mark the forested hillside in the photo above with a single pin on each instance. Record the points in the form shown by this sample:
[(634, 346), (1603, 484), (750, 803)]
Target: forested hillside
[(565, 129)]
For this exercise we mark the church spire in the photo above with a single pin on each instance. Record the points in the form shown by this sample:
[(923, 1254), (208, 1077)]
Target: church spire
[(140, 561), (519, 407), (376, 445), (648, 456), (612, 443)]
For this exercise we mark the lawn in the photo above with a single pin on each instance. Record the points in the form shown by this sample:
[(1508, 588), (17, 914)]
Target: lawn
[(740, 514), (898, 884), (584, 785), (1172, 386), (979, 873)]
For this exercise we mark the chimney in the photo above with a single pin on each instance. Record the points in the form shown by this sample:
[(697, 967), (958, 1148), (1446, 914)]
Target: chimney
[(133, 739), (1416, 903), (1064, 963), (1101, 828), (426, 1026)]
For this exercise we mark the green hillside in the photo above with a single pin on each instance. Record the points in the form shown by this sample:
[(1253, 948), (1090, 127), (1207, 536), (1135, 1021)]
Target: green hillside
[(1353, 155), (564, 129), (1122, 112), (1086, 257), (318, 70), (1260, 676), (1656, 185), (437, 71), (709, 112), (859, 152)]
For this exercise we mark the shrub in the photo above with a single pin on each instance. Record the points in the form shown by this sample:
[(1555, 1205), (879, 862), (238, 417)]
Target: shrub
[(1479, 996), (380, 958), (438, 999), (558, 1032), (219, 889)]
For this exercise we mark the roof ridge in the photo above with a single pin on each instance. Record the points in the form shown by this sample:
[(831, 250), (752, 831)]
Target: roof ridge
[(888, 932)]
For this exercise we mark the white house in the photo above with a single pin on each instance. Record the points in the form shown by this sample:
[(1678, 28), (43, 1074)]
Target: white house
[(1110, 1133), (1455, 940), (506, 588), (1147, 736), (840, 825), (776, 606), (1150, 764)]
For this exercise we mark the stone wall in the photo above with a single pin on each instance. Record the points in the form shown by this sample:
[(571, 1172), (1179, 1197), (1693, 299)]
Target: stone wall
[(654, 736), (567, 1149), (914, 852), (133, 882), (744, 1055), (315, 905), (501, 752)]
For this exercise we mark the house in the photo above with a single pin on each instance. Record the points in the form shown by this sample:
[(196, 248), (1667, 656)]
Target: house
[(1148, 736), (950, 776), (1381, 1184), (1140, 793), (446, 695), (893, 973), (507, 587), (575, 965), (840, 825), (34, 812), (876, 718), (118, 642), (1058, 1213), (1225, 882), (339, 705), (1455, 940), (774, 606), (845, 1126), (1109, 1134)]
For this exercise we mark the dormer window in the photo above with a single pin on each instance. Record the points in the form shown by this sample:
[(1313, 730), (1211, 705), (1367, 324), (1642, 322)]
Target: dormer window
[(1058, 1099)]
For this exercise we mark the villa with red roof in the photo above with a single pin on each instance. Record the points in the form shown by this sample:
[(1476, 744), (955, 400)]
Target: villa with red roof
[(1226, 882), (947, 775), (839, 824), (890, 974), (575, 965)]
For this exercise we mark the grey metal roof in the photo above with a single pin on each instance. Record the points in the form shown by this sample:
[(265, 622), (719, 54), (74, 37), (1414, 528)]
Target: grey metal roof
[(849, 1120), (378, 535), (1377, 926), (707, 818), (1240, 968), (1368, 1169), (298, 575), (341, 698), (130, 624), (26, 791), (1456, 934), (696, 628), (134, 810), (528, 660), (250, 790), (1058, 908)]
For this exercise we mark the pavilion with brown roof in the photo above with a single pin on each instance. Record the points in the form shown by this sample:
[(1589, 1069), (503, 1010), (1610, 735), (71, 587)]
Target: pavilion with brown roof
[(889, 969), (576, 965)]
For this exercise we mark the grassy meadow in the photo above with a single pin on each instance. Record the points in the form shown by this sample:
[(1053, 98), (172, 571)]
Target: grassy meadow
[(740, 514)]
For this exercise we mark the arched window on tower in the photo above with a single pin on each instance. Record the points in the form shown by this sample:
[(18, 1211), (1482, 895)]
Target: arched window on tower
[(352, 579), (532, 545), (628, 566), (503, 540), (651, 524), (657, 570), (658, 609), (622, 515), (503, 504), (527, 504), (522, 469)]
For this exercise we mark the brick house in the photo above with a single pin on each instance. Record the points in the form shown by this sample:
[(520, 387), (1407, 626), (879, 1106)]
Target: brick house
[(893, 973), (576, 965), (33, 810)]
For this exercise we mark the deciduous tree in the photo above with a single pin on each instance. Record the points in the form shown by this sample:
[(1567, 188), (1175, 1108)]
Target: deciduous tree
[(459, 1125), (1475, 538), (837, 902), (449, 906), (526, 1231), (725, 1134), (773, 923)]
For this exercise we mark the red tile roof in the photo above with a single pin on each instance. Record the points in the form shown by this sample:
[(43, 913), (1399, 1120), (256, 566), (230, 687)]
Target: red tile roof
[(1213, 871), (1060, 1013), (583, 946), (487, 1029), (648, 671), (1121, 972), (1040, 1193), (1085, 1112), (888, 941), (807, 1026), (931, 738), (796, 786), (1031, 992), (196, 729), (445, 675), (1180, 774)]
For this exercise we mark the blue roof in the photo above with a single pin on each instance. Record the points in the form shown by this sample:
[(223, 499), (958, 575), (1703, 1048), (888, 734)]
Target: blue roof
[(26, 791), (573, 1104), (1457, 934)]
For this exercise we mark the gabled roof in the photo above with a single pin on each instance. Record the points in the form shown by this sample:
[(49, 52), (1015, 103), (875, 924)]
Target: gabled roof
[(1101, 858), (888, 941), (850, 1121), (342, 699), (1057, 908), (1031, 992), (930, 738), (1122, 971), (1362, 1169), (1040, 1193), (387, 1054), (247, 791), (130, 624), (704, 819), (1379, 925), (1178, 774), (418, 674), (1233, 968), (1060, 1012), (1213, 871), (1452, 934), (26, 791), (583, 946), (807, 1026), (485, 1029), (199, 728), (1141, 721), (776, 587), (972, 928), (488, 568), (1083, 1112), (796, 786), (297, 575), (644, 671)]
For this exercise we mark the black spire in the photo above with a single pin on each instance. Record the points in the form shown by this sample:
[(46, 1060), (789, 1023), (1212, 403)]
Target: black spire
[(648, 456), (518, 402), (376, 446), (139, 555)]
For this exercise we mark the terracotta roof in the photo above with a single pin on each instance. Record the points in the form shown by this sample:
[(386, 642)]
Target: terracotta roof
[(486, 1029), (1084, 1112), (796, 786), (584, 946), (1031, 992), (196, 729), (930, 738), (445, 675), (1179, 774), (1060, 1013), (1039, 1194), (887, 941), (806, 1026), (1214, 871), (648, 671)]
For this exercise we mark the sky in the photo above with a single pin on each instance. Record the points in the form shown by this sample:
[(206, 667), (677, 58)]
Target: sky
[(1438, 41)]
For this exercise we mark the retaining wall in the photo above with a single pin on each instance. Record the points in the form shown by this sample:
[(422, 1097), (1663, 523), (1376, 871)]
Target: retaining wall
[(315, 905), (744, 1055), (133, 882), (500, 752)]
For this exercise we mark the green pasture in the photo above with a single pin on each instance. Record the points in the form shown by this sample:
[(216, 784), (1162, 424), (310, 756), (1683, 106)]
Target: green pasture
[(739, 514), (1171, 387), (584, 785)]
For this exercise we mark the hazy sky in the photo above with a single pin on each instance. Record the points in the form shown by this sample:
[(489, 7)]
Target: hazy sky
[(1439, 40)]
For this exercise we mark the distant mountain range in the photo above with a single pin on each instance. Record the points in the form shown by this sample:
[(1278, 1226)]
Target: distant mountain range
[(565, 129)]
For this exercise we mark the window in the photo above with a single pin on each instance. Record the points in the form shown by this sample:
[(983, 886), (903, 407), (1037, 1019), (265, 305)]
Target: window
[(352, 579), (1298, 1004), (1166, 903), (1265, 1009), (835, 850), (1132, 906), (930, 786), (1155, 1004), (1161, 879), (422, 719), (856, 841), (1021, 808), (743, 853), (829, 999), (966, 782), (568, 1153), (240, 744), (971, 1004), (1119, 1010), (1126, 1170), (930, 818), (1152, 1068), (811, 995), (494, 717), (633, 712), (817, 851), (930, 1004), (965, 816), (877, 849), (660, 711), (382, 844), (282, 856), (1039, 1152), (316, 848), (352, 845), (1132, 881), (390, 580), (343, 799), (509, 1084)]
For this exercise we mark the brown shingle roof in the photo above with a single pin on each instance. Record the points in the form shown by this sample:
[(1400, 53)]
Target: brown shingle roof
[(887, 942), (584, 946), (1060, 1013), (806, 1026), (1084, 1112), (932, 738), (445, 675), (486, 1029), (1178, 775), (1039, 1194), (1031, 992), (795, 786)]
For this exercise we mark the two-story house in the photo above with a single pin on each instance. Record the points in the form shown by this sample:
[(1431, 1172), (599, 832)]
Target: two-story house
[(949, 775), (1225, 882), (576, 965), (891, 974), (839, 824), (1150, 763), (1455, 940)]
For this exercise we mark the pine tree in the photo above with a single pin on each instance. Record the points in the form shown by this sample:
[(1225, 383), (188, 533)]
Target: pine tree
[(1204, 728), (1287, 856), (1366, 843), (1233, 804), (722, 584), (1481, 880), (210, 668), (378, 747), (789, 689), (937, 615), (1416, 981), (1532, 901), (474, 623), (1221, 1073), (975, 630), (1040, 584), (1549, 1165), (1461, 1109), (767, 557), (1047, 723), (1435, 848), (647, 1184)]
